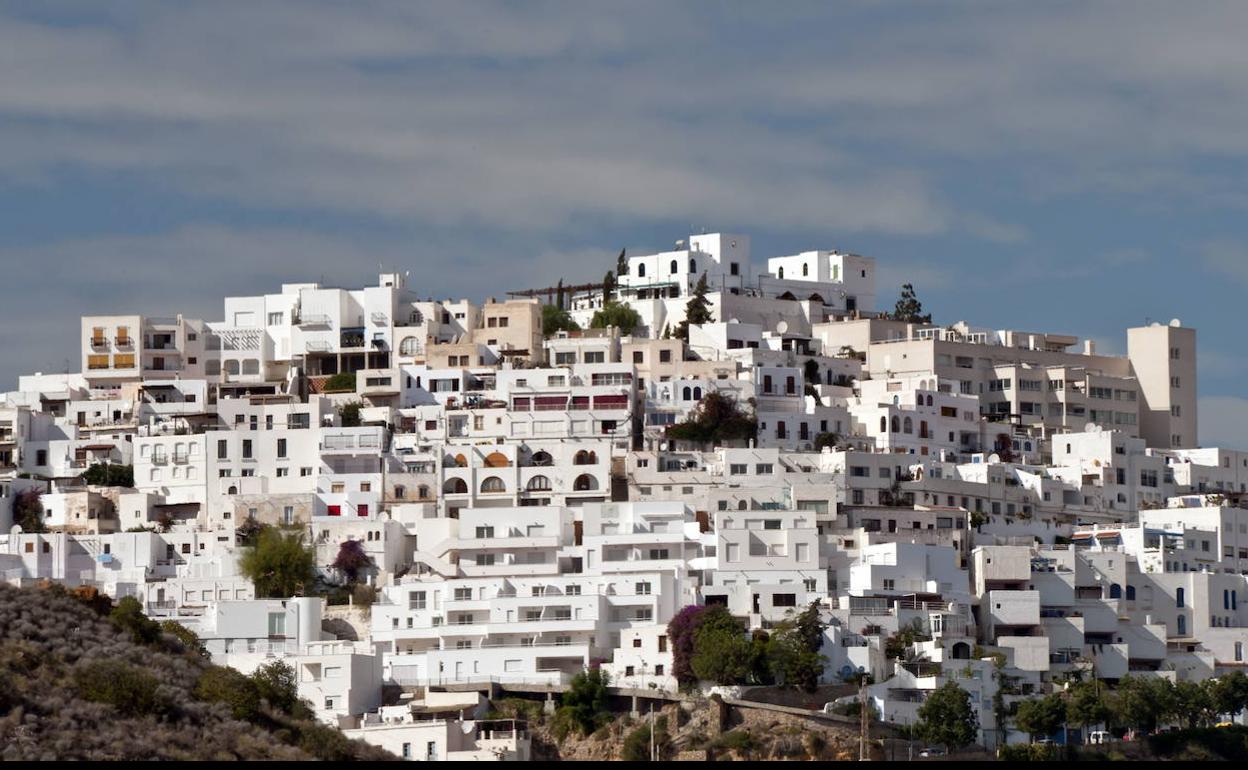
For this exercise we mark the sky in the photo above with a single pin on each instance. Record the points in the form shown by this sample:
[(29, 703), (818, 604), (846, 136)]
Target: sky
[(1056, 166)]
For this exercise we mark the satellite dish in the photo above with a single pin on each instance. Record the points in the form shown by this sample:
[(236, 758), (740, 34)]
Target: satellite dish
[(1176, 323), (782, 327), (994, 458)]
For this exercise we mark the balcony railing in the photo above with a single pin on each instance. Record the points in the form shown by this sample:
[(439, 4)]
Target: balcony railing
[(315, 319)]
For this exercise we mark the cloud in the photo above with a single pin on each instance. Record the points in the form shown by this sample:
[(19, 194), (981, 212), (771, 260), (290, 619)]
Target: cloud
[(1224, 422)]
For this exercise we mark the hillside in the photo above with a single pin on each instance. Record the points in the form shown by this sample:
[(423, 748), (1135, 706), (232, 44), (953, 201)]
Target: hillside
[(75, 684)]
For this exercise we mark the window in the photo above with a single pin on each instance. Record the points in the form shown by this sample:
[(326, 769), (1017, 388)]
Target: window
[(275, 319), (784, 600)]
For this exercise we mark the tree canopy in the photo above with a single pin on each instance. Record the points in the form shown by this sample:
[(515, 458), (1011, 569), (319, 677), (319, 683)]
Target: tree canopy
[(109, 475), (556, 319), (279, 563), (352, 560), (946, 717), (722, 652), (717, 418), (616, 314), (792, 652), (697, 309), (1041, 717), (909, 308)]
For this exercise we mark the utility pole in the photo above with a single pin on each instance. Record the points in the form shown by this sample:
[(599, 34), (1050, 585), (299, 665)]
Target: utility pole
[(863, 717)]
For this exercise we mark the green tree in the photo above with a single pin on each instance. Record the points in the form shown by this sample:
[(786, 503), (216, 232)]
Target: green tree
[(616, 314), (1086, 704), (608, 288), (946, 717), (556, 319), (697, 309), (1230, 693), (28, 511), (279, 563), (586, 704), (718, 418), (621, 264), (909, 308), (1041, 717), (275, 683), (109, 475), (559, 295), (1195, 703), (792, 653), (722, 653), (349, 414), (1143, 703)]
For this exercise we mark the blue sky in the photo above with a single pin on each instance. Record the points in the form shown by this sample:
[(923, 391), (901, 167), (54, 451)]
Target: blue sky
[(1047, 166)]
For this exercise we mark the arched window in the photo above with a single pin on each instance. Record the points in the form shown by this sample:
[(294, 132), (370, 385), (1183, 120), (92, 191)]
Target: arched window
[(908, 425), (585, 457), (1182, 625), (585, 483), (1226, 598), (542, 458), (641, 270), (686, 393), (410, 346), (415, 318), (1115, 591), (455, 487), (929, 400), (233, 491), (741, 505), (1130, 593), (538, 484), (697, 394), (780, 273), (693, 266), (673, 267), (461, 461), (493, 484), (883, 425), (1178, 598), (1234, 599), (896, 424), (805, 269)]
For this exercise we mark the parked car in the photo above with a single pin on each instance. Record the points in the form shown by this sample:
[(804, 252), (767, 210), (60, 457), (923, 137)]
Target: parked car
[(1100, 736), (932, 751)]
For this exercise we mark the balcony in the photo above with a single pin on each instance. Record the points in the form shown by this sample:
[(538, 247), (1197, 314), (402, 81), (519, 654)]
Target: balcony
[(316, 319), (317, 346)]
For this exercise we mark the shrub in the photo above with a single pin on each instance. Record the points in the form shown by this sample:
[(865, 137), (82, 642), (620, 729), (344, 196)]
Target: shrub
[(191, 642), (586, 701), (340, 383), (128, 616), (219, 684), (28, 511), (636, 747), (127, 688), (717, 419), (616, 314), (352, 560), (350, 414), (275, 683), (109, 475)]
